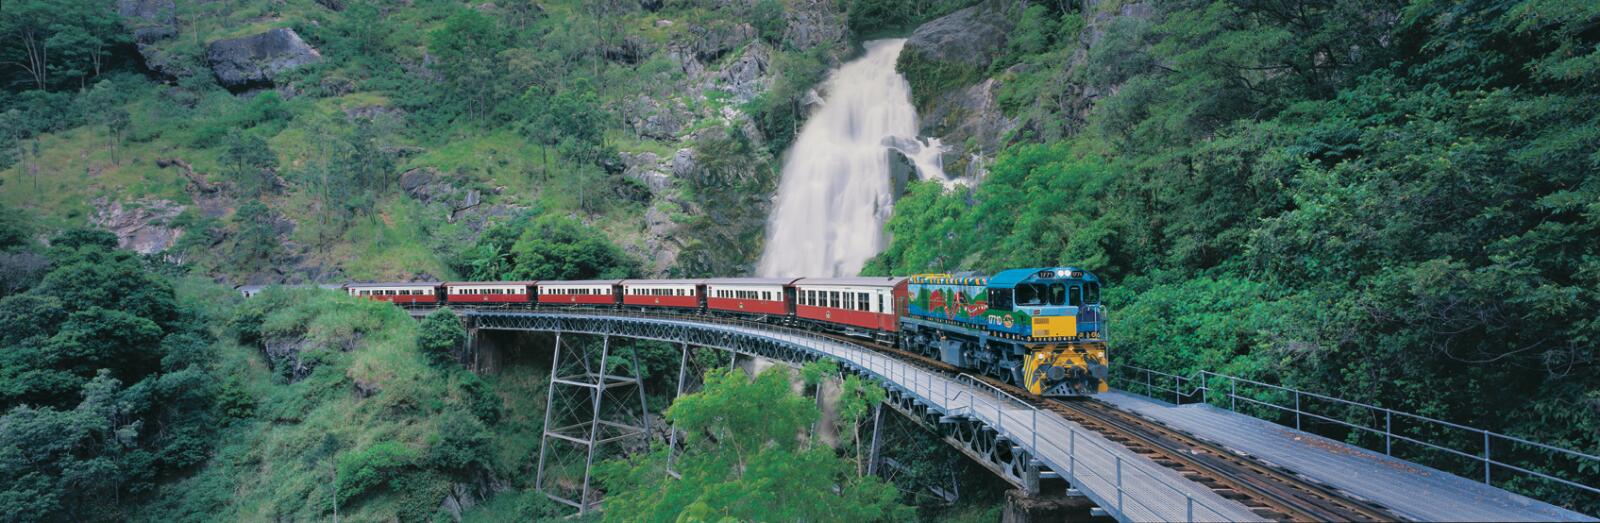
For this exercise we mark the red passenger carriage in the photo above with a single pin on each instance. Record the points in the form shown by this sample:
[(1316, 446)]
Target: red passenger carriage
[(868, 303), (488, 292), (582, 292), (770, 296), (403, 293), (662, 293)]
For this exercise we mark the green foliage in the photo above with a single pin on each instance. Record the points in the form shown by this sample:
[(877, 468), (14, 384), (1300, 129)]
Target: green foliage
[(104, 383), (373, 467), (746, 462), (440, 336), (55, 44), (545, 248), (249, 162), (929, 76), (1380, 224), (257, 241)]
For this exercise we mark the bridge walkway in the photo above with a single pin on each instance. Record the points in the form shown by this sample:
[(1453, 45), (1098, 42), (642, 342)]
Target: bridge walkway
[(1409, 489)]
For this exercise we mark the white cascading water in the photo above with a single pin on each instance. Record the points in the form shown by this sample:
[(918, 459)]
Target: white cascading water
[(836, 190)]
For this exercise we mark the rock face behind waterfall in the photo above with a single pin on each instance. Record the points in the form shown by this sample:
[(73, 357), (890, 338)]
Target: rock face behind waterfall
[(260, 58), (945, 60)]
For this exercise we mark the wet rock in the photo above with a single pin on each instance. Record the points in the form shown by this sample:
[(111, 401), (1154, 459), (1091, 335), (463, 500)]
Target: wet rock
[(971, 119), (140, 226), (150, 20), (259, 58)]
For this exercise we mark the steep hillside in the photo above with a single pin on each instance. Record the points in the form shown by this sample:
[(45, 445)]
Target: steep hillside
[(322, 140), (1394, 202)]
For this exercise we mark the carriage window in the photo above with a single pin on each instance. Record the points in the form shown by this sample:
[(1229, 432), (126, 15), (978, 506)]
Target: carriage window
[(833, 299), (1075, 296), (863, 302)]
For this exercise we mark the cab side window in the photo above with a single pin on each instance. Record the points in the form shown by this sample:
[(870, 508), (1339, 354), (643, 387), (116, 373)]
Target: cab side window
[(1000, 299), (1075, 296)]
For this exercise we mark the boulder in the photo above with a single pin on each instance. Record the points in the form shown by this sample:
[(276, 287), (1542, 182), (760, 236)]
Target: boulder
[(259, 58), (969, 37), (150, 20)]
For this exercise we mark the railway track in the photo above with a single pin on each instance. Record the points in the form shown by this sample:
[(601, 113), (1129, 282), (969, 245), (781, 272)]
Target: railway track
[(1270, 491)]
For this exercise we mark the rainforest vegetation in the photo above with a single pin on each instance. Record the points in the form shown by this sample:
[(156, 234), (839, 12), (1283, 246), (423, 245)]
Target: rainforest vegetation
[(1394, 202)]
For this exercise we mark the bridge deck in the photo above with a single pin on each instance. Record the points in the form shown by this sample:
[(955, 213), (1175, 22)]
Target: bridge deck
[(1095, 465), (1410, 489)]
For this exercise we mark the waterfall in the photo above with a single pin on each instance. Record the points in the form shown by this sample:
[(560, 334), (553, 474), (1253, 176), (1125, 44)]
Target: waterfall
[(836, 188)]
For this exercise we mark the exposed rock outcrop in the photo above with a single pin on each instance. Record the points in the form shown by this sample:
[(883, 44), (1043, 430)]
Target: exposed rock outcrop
[(150, 20), (813, 23), (648, 169), (746, 76), (260, 58), (971, 119), (140, 226)]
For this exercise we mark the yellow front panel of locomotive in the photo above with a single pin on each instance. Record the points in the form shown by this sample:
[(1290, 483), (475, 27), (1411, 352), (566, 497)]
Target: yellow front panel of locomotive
[(1055, 326)]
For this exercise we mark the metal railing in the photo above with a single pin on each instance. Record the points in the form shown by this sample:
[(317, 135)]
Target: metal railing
[(1207, 383), (1081, 460)]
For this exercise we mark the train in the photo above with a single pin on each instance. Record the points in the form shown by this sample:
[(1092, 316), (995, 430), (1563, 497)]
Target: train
[(1042, 329)]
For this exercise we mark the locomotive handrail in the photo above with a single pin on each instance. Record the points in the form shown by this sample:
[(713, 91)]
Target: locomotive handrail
[(1203, 385)]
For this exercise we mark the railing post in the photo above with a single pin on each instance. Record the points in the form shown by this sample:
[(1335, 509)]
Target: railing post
[(1488, 463), (1233, 396), (1072, 455), (1119, 487), (1189, 510), (1204, 389), (1035, 432), (1175, 397), (1297, 409), (1388, 440)]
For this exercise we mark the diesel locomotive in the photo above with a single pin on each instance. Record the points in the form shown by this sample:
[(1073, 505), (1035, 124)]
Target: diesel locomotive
[(1043, 329)]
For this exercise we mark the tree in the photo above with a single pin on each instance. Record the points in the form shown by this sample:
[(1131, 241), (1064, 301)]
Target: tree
[(440, 335), (467, 48), (53, 41), (256, 241), (745, 461), (248, 161)]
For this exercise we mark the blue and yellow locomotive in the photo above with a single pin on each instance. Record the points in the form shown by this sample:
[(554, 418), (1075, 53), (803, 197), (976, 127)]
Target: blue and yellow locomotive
[(1042, 329)]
